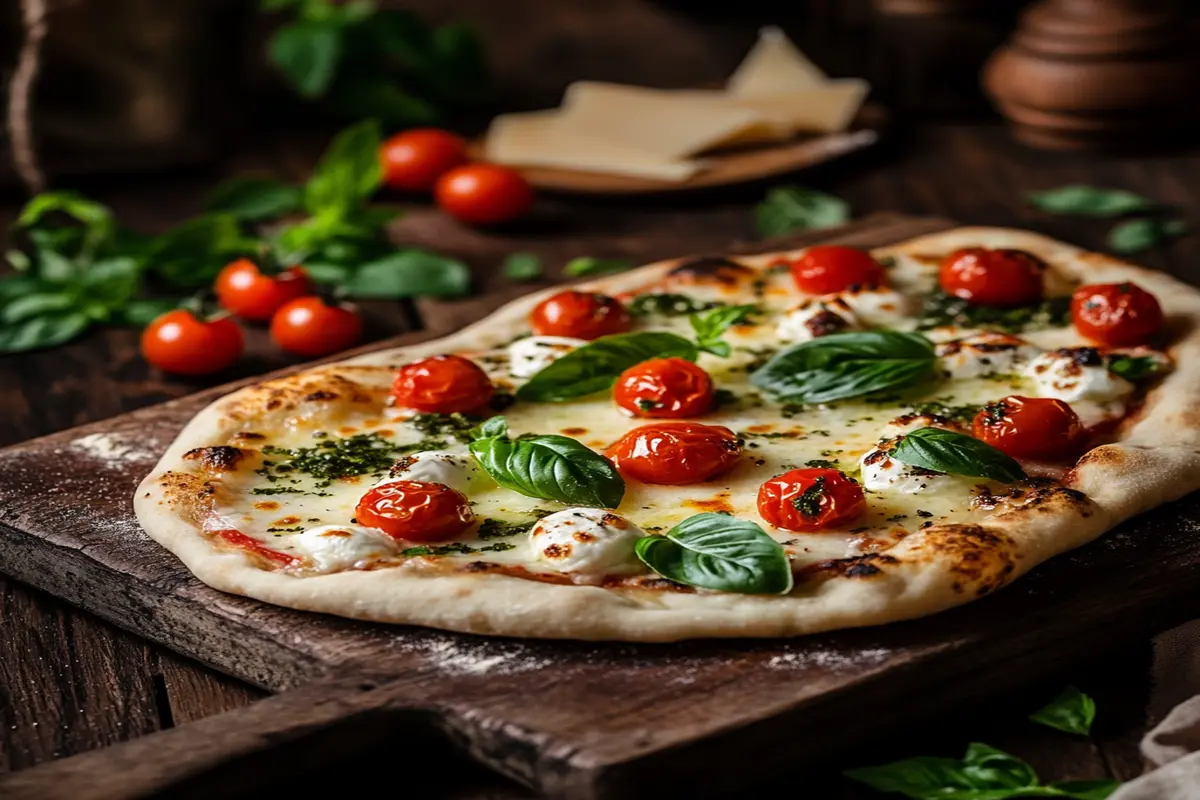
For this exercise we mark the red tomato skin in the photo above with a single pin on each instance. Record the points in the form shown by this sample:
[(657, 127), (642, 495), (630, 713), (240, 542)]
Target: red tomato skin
[(1116, 314), (580, 315), (1034, 428), (675, 453), (415, 511), (829, 268), (483, 194), (443, 385), (311, 328), (664, 388), (412, 161), (841, 500), (997, 278), (245, 291), (177, 342)]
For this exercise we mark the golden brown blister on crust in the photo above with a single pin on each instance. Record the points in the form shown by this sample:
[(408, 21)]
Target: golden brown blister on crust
[(324, 390)]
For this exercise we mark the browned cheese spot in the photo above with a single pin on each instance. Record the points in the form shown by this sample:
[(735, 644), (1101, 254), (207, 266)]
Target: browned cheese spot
[(221, 458), (557, 551)]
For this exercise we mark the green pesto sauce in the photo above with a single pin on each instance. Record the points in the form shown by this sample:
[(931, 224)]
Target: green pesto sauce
[(333, 458), (941, 309), (668, 305)]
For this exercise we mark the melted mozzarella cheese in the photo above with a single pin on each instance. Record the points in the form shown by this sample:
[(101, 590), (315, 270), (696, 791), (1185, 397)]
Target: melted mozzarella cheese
[(1076, 374), (455, 470), (531, 355), (983, 355), (911, 422), (817, 317), (586, 541), (881, 472), (877, 306), (338, 547)]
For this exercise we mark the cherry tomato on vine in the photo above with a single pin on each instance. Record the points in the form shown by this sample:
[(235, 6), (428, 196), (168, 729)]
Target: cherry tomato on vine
[(413, 161), (442, 384), (665, 388), (675, 453), (1039, 428), (308, 326), (580, 315), (178, 342), (811, 500), (825, 269), (243, 289), (415, 511), (483, 194), (997, 278), (1116, 314)]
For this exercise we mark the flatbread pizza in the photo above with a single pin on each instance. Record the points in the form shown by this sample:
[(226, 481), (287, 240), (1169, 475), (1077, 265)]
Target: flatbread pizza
[(742, 446)]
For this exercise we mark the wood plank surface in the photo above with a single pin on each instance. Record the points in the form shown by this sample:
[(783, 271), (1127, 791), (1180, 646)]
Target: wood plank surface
[(714, 703)]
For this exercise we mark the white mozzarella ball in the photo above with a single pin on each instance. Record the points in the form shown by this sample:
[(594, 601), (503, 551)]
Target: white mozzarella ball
[(983, 355), (881, 472), (337, 547), (529, 356), (1077, 374), (911, 422), (817, 317), (875, 305), (455, 470), (587, 541)]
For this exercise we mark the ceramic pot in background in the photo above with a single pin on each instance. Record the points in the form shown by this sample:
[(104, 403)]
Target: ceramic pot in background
[(1099, 74)]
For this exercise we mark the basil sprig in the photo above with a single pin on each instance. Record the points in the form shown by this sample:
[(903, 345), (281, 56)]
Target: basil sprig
[(956, 454), (845, 365), (595, 366), (1071, 711), (549, 467), (717, 551), (1134, 368)]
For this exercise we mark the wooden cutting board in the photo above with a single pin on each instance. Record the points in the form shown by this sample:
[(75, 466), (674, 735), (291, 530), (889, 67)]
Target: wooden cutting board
[(591, 720)]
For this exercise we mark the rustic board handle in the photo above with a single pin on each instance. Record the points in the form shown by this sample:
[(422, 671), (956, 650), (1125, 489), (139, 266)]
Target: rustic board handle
[(239, 753)]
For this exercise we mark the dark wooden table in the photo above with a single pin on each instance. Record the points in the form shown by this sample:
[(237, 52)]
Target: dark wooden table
[(69, 682)]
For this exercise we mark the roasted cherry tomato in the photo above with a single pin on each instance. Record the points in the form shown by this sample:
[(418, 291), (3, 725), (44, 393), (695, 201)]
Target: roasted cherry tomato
[(413, 161), (310, 327), (675, 453), (811, 500), (830, 268), (483, 194), (666, 388), (415, 511), (442, 384), (998, 278), (244, 290), (1116, 314), (580, 315), (179, 342), (1038, 428)]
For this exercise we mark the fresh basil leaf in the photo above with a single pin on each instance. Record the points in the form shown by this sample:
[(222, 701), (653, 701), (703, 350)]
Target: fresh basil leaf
[(112, 281), (940, 309), (1134, 368), (990, 767), (984, 773), (29, 306), (843, 365), (1085, 790), (522, 267), (332, 274), (1089, 201), (410, 273), (18, 286), (45, 330), (254, 199), (595, 366), (549, 467), (192, 253), (1135, 235), (956, 454), (1071, 712), (54, 267), (307, 54), (586, 266), (349, 171), (19, 261), (142, 312), (709, 326), (97, 220), (720, 552), (668, 305), (792, 208)]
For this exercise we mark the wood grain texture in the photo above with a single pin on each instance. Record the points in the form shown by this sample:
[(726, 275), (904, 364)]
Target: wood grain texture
[(713, 705)]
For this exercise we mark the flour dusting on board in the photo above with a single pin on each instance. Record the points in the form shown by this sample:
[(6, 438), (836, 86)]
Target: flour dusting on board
[(829, 659), (485, 658), (113, 449)]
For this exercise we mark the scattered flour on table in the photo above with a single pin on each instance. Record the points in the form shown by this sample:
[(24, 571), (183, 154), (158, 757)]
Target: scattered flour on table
[(488, 658), (829, 659), (111, 448)]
